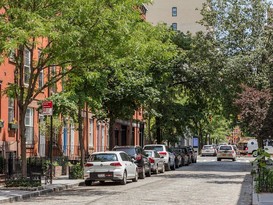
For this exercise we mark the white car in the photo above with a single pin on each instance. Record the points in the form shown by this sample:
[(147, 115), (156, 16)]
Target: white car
[(157, 161), (163, 150), (110, 166), (226, 152)]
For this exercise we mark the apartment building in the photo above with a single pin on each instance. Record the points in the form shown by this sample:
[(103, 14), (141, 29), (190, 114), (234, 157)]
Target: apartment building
[(179, 14)]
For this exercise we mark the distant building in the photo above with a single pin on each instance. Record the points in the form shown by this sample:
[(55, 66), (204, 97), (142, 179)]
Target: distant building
[(179, 14)]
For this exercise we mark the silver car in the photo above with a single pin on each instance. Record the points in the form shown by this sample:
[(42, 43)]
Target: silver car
[(110, 166), (208, 150), (163, 150), (157, 161)]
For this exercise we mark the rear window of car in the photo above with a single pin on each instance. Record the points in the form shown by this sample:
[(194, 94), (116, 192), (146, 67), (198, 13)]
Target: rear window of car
[(225, 148), (103, 157), (156, 148), (128, 150), (207, 147), (149, 153)]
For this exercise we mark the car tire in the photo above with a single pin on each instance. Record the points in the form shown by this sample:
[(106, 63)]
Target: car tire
[(218, 159), (149, 173), (124, 179), (136, 177), (163, 169), (173, 167), (142, 174), (168, 166), (234, 159), (156, 170), (88, 182)]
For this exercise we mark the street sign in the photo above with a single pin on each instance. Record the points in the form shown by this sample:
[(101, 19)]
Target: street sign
[(47, 108)]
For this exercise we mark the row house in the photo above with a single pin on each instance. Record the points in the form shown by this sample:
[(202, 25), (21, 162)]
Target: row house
[(66, 140)]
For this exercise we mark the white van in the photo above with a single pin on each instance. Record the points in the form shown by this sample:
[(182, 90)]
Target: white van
[(252, 146)]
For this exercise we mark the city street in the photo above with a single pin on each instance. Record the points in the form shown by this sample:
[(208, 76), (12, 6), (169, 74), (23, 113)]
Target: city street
[(203, 183)]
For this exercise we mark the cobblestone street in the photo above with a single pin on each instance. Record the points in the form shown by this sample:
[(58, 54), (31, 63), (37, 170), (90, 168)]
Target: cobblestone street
[(203, 183)]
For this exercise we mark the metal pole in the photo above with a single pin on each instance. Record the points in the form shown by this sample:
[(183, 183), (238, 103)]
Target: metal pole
[(51, 148)]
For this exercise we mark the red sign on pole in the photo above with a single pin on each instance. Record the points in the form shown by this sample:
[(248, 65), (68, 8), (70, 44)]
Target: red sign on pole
[(47, 107)]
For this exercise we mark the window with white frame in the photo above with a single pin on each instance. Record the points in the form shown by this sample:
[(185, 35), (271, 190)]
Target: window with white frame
[(29, 126), (174, 11), (91, 133), (41, 74), (11, 110), (27, 68)]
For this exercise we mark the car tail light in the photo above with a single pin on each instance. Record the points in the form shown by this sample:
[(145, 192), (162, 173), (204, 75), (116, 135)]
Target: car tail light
[(151, 160), (116, 164), (162, 153), (88, 165), (138, 157), (233, 151), (246, 148)]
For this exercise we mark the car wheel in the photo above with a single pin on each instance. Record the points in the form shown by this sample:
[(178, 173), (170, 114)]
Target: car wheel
[(124, 179), (255, 153), (163, 169), (136, 177), (142, 173), (234, 159), (156, 170), (173, 167), (218, 159), (88, 182), (149, 173)]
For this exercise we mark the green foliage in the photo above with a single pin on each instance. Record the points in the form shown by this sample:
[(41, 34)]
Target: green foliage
[(76, 171), (22, 182)]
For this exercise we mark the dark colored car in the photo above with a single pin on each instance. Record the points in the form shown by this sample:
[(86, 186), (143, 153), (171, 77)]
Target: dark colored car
[(193, 154), (188, 153), (178, 157), (183, 153), (140, 158)]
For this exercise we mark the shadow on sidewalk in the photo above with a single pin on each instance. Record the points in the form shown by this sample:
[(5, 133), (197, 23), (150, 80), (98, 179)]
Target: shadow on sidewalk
[(246, 191)]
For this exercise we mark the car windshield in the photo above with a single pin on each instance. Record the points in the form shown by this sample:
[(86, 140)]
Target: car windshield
[(156, 148), (225, 148), (129, 151), (103, 157)]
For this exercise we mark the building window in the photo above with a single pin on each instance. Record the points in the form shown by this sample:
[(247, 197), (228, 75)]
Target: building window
[(29, 126), (41, 74), (102, 137), (174, 11), (91, 132), (98, 138), (174, 26), (11, 110), (26, 66)]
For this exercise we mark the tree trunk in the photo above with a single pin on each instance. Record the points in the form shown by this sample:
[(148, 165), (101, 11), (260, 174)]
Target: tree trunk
[(81, 134), (111, 132), (22, 131), (149, 129), (158, 130)]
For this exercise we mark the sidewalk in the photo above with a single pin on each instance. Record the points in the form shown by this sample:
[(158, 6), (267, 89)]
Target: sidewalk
[(16, 194)]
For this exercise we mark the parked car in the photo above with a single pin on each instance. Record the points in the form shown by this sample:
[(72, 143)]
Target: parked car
[(184, 156), (226, 152), (193, 154), (157, 161), (163, 150), (140, 157), (208, 150), (242, 146), (110, 166), (187, 152), (178, 158)]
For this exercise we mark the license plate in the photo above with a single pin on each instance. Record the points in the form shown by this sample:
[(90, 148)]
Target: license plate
[(101, 175), (224, 154)]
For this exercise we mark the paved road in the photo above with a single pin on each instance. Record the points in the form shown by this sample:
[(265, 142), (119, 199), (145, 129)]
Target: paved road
[(207, 182)]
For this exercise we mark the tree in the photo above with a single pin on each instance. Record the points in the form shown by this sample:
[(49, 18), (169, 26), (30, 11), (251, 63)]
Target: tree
[(254, 109)]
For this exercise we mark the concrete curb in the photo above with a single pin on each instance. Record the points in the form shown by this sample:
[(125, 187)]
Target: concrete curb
[(22, 195)]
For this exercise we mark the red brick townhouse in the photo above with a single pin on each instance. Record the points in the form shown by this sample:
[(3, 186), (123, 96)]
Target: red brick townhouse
[(66, 142)]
